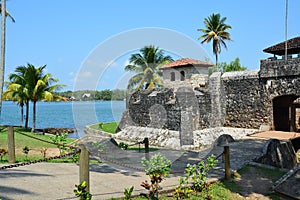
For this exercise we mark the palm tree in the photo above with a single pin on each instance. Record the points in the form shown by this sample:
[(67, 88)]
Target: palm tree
[(216, 30), (39, 86), (17, 91), (146, 65), (3, 33), (29, 83)]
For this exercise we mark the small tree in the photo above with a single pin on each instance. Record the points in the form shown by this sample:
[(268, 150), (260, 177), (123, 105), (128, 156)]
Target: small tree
[(26, 151), (156, 168)]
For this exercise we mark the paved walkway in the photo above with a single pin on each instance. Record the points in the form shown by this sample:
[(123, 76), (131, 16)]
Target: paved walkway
[(57, 181)]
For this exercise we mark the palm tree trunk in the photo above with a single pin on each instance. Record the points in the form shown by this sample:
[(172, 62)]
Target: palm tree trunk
[(27, 114), (22, 114), (34, 116), (2, 64), (217, 62)]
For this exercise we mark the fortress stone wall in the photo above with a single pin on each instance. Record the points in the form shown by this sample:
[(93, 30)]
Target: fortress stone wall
[(246, 99)]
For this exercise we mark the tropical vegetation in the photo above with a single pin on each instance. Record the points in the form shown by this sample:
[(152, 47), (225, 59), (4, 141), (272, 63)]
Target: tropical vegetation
[(224, 67), (30, 83), (217, 31), (146, 65)]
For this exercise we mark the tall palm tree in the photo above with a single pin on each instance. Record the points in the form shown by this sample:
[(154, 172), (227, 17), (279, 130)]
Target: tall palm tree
[(29, 83), (146, 65), (40, 87), (17, 91), (3, 33), (216, 30)]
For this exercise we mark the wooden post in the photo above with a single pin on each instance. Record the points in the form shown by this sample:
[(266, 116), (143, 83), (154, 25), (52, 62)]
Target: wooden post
[(146, 142), (227, 163), (84, 168), (11, 145)]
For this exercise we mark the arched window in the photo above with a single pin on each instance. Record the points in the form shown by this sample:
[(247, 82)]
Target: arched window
[(182, 75), (172, 76)]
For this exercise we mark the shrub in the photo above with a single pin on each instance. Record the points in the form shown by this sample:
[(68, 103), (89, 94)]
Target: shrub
[(3, 152), (81, 191), (156, 168), (197, 175)]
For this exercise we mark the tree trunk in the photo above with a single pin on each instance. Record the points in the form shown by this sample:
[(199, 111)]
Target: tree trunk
[(2, 64), (33, 116), (27, 115), (217, 62), (22, 115)]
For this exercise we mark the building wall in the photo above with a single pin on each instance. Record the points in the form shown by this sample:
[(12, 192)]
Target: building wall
[(246, 101), (277, 68), (189, 71), (232, 99)]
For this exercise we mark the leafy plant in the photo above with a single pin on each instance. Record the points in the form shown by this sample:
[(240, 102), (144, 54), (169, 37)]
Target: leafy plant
[(3, 152), (123, 146), (128, 192), (182, 191), (61, 141), (197, 174), (156, 168), (81, 191), (26, 150), (100, 125)]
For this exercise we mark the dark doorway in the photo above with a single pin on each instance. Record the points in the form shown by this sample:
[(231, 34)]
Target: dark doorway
[(182, 75), (283, 113)]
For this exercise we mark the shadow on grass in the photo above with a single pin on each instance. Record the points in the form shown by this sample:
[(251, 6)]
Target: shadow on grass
[(256, 182)]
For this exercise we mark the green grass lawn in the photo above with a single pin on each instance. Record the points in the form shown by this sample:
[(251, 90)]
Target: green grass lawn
[(109, 127), (35, 146)]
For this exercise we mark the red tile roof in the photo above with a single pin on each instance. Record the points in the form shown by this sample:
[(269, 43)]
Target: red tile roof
[(184, 62)]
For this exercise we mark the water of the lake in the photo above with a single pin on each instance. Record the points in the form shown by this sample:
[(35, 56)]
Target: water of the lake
[(65, 114)]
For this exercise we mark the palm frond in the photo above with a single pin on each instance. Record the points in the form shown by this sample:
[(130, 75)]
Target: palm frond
[(146, 64)]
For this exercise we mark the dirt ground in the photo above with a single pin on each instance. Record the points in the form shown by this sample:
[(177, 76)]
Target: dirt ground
[(50, 152)]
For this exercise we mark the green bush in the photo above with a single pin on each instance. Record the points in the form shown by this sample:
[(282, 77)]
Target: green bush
[(156, 168)]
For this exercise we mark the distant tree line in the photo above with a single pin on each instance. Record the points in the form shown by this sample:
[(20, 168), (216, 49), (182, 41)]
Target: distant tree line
[(89, 95)]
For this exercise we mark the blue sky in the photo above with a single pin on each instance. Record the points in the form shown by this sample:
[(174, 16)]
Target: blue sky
[(65, 34)]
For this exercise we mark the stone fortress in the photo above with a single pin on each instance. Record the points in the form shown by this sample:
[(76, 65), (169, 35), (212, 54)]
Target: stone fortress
[(192, 102)]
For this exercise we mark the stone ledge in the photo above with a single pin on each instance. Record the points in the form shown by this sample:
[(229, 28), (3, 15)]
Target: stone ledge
[(170, 139)]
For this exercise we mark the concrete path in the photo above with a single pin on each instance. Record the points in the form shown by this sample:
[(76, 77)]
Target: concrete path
[(57, 180)]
